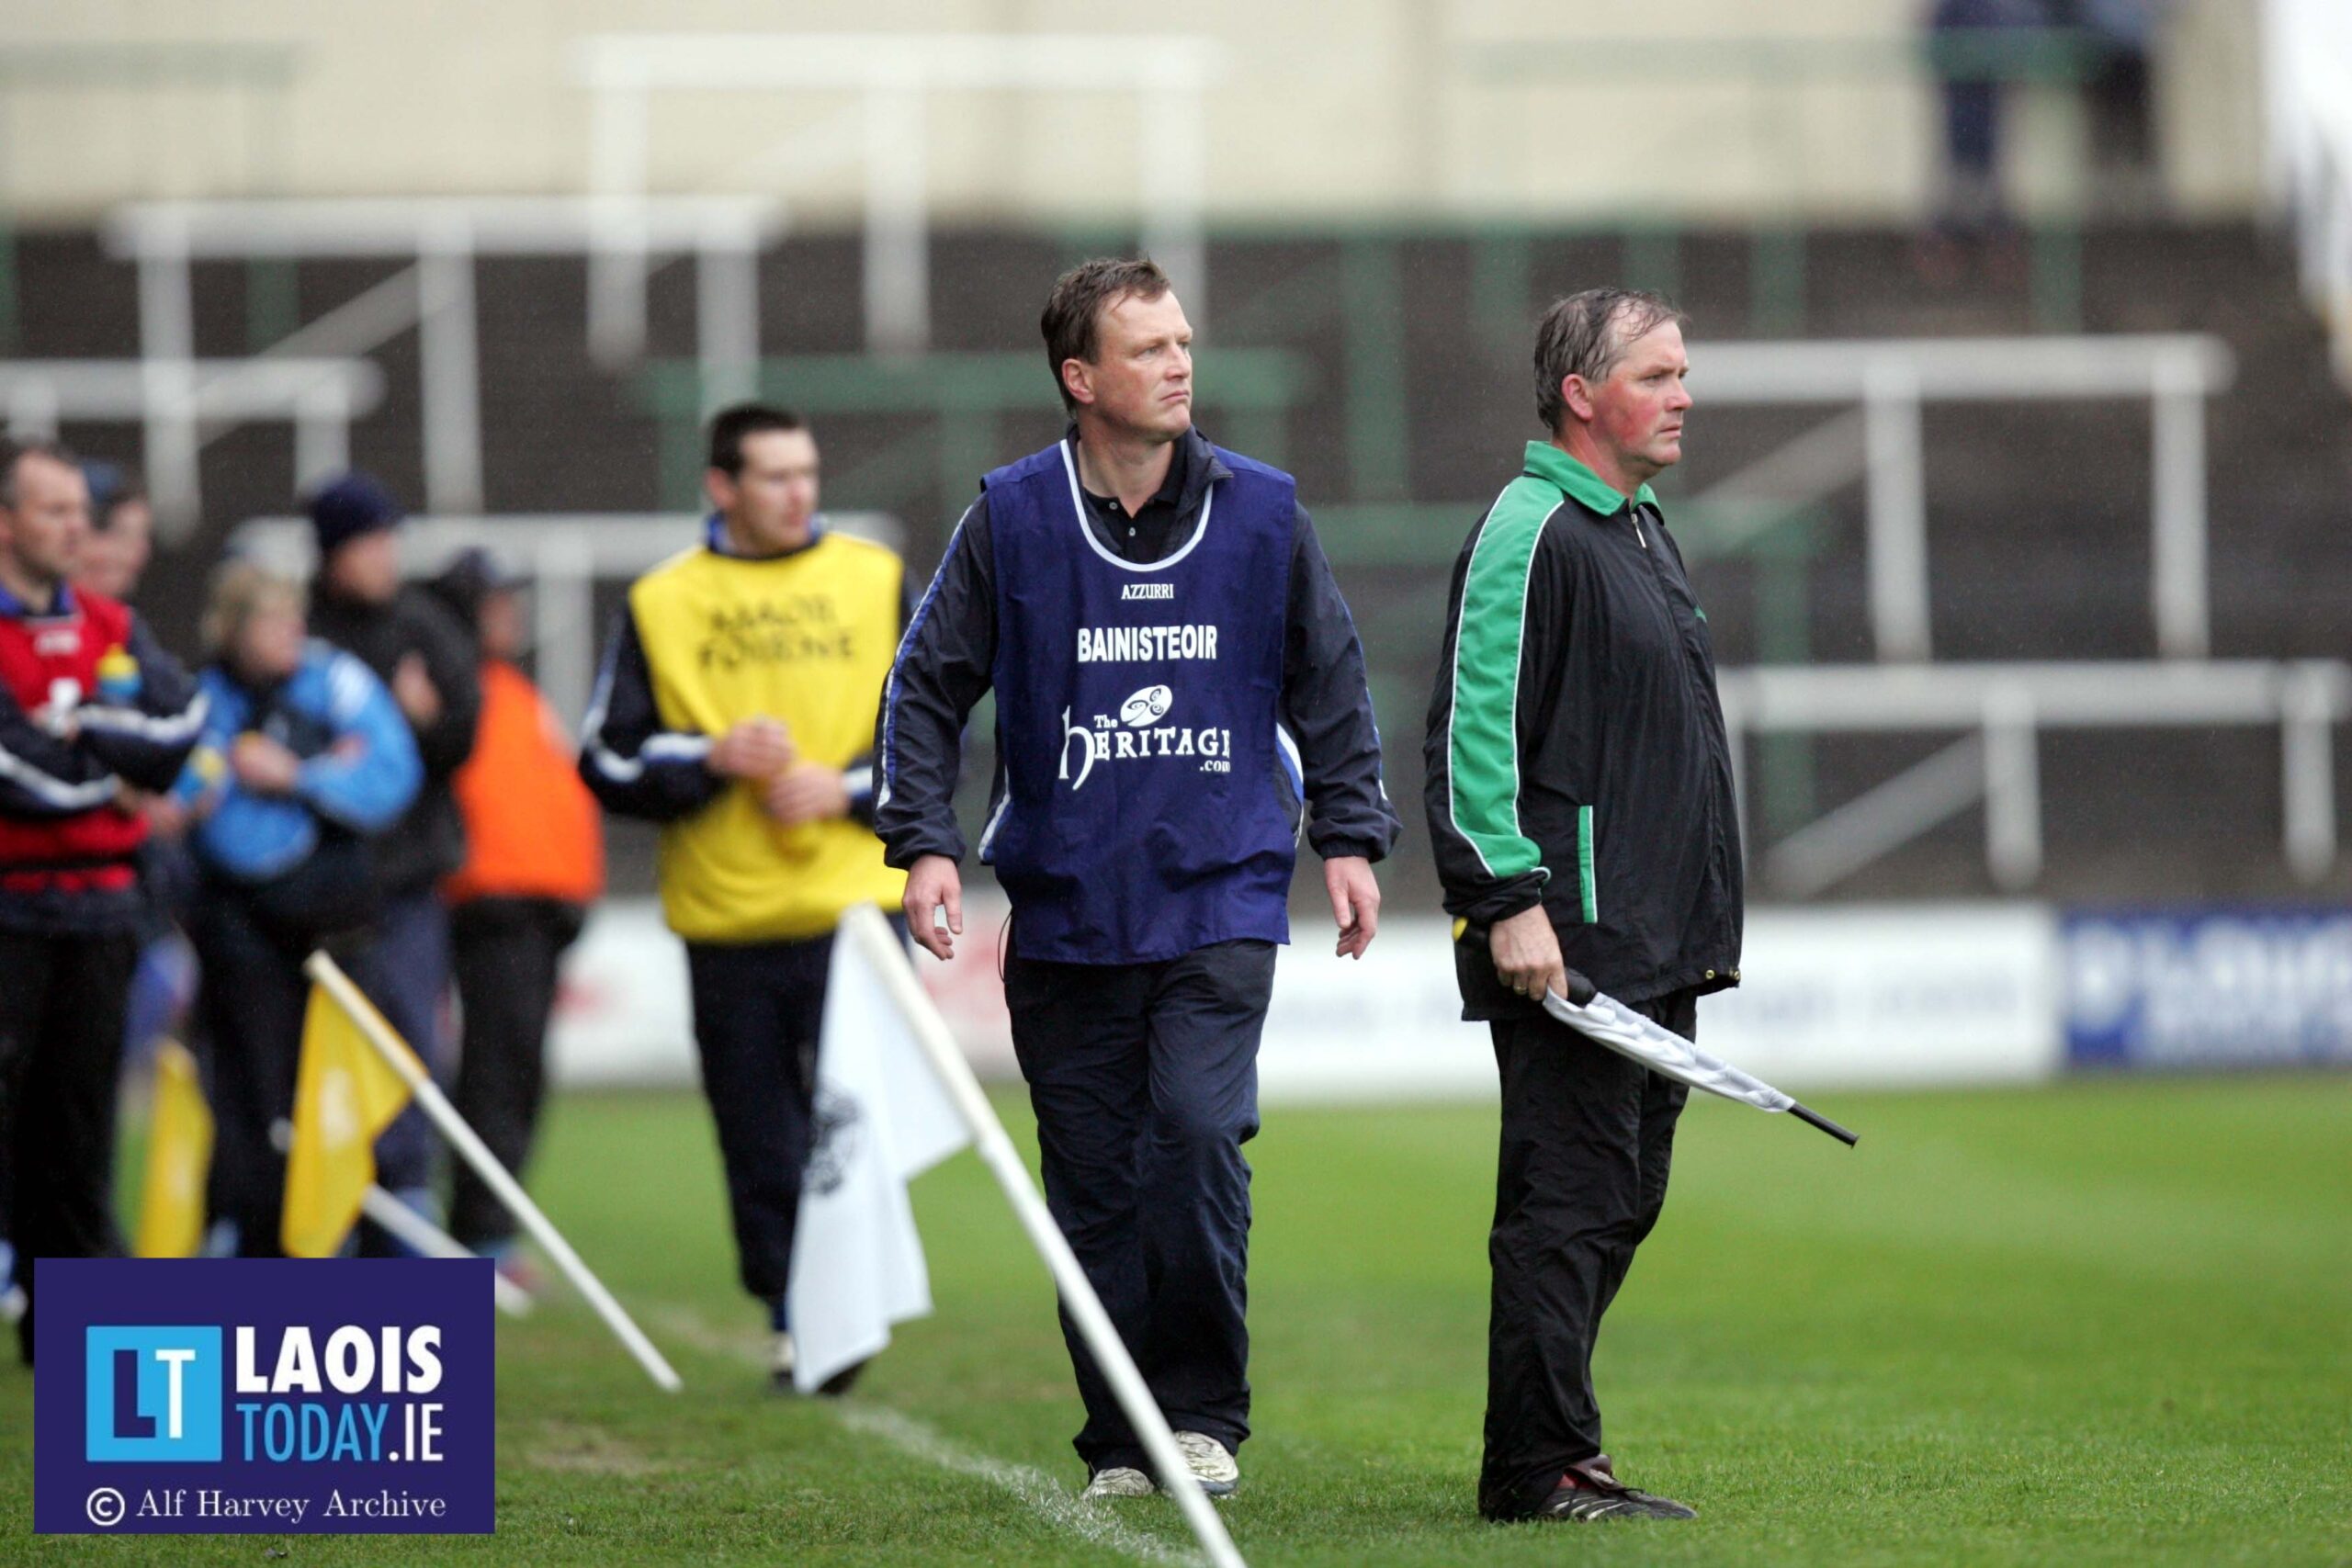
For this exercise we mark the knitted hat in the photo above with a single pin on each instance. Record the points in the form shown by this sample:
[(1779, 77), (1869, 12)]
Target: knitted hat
[(347, 506)]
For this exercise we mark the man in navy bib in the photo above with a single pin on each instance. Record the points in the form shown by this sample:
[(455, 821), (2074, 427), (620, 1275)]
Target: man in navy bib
[(1180, 693)]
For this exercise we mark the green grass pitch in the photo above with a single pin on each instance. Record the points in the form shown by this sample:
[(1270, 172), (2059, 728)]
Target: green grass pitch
[(2107, 1323)]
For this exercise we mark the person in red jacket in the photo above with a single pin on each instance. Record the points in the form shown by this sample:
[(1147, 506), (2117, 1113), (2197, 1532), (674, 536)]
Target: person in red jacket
[(92, 711), (535, 859)]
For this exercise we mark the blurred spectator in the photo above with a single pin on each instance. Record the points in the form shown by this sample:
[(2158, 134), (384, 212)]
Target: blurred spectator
[(1972, 49), (304, 756), (535, 859), (90, 705), (2119, 100), (113, 559), (122, 533), (423, 653)]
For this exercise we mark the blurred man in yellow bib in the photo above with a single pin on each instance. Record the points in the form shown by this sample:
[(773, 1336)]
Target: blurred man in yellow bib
[(736, 707)]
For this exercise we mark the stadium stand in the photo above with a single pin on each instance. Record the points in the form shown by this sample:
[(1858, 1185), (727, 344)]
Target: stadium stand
[(1346, 361)]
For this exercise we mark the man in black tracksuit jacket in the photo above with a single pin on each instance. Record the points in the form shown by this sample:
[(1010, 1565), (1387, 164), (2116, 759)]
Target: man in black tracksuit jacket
[(1580, 806), (426, 657)]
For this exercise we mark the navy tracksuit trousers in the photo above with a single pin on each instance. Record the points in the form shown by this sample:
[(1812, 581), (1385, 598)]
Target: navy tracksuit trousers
[(405, 971), (1145, 1082), (251, 1004), (758, 1009)]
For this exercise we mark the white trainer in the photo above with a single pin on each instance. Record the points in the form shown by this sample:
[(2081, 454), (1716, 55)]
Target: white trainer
[(780, 1360), (1211, 1463), (1118, 1481)]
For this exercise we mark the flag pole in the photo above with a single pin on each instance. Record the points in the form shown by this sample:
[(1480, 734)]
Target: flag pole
[(864, 925), (435, 1104), (1814, 1119), (414, 1230)]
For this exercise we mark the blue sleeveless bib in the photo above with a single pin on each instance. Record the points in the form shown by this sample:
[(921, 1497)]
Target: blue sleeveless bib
[(1147, 801)]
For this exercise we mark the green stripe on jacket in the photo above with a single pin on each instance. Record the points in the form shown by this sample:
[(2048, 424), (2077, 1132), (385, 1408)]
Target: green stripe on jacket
[(1482, 726)]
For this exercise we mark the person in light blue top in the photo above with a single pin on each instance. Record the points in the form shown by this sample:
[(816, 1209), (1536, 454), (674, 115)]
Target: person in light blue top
[(305, 756)]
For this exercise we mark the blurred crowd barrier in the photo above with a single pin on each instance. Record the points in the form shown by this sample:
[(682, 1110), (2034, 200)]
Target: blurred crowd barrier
[(1869, 996)]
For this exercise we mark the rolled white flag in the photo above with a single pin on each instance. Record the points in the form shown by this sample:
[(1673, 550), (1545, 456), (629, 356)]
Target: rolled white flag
[(882, 1119), (1608, 1021)]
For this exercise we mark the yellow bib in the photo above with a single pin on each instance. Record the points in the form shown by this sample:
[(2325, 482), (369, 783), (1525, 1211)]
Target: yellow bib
[(808, 639)]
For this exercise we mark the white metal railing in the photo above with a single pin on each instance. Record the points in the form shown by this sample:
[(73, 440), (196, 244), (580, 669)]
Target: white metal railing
[(2308, 93), (319, 397), (1891, 378), (442, 236), (2000, 711), (887, 128), (564, 556)]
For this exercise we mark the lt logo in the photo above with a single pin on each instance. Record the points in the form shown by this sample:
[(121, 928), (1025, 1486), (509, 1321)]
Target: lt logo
[(152, 1395)]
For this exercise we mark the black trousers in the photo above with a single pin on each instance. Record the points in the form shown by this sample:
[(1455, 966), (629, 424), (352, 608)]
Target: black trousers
[(758, 1007), (504, 952), (1587, 1140), (61, 1049), (251, 1002), (1144, 1082)]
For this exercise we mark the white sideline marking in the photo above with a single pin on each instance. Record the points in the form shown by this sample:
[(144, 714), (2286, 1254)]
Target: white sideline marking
[(1034, 1487), (1055, 1504)]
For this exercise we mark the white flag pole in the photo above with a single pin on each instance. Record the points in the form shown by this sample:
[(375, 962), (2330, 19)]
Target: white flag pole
[(865, 926), (436, 1104), (414, 1230)]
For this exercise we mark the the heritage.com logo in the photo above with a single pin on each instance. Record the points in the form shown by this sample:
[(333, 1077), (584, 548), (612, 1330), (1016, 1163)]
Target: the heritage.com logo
[(1135, 733), (329, 1396)]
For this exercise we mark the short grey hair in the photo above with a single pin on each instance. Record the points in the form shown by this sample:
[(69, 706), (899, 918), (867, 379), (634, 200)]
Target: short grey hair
[(1587, 333)]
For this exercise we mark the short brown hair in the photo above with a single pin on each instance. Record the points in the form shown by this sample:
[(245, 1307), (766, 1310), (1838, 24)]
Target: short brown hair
[(1073, 322), (1585, 334), (13, 452), (730, 427)]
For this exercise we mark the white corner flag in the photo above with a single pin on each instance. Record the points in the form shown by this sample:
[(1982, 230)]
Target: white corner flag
[(882, 1119), (1605, 1020)]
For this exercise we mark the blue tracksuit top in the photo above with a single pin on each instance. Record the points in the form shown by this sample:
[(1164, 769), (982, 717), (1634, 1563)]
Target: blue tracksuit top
[(1147, 801), (360, 768)]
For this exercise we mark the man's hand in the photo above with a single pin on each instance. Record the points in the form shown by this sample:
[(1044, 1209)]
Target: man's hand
[(1527, 955), (933, 884), (168, 817), (1355, 902), (264, 766), (755, 749), (413, 689), (806, 792)]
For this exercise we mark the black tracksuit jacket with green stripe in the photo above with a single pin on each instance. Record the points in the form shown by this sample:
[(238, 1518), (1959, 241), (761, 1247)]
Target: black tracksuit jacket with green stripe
[(1575, 750)]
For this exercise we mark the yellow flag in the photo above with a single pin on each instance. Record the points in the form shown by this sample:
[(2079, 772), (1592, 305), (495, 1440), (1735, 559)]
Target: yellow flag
[(179, 1152), (344, 1095)]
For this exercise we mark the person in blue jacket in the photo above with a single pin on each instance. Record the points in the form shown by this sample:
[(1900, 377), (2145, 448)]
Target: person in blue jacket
[(304, 758)]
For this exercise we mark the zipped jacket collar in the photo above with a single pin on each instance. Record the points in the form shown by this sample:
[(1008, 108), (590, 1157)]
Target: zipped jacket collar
[(1577, 481)]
